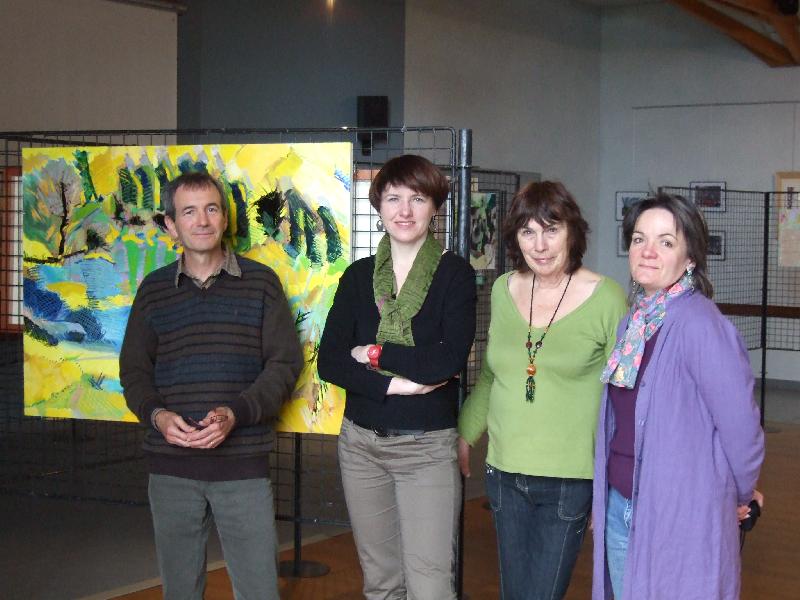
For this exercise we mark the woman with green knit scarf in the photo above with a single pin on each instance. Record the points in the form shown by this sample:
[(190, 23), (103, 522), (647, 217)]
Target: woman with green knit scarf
[(397, 336)]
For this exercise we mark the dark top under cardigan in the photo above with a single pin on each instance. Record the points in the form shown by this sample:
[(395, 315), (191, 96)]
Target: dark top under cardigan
[(623, 403), (190, 350), (443, 329)]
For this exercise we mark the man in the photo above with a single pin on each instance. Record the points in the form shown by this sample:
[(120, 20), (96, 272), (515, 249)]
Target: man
[(210, 354)]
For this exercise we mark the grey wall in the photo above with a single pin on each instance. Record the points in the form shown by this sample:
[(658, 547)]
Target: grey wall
[(86, 64), (524, 75), (287, 63), (680, 103)]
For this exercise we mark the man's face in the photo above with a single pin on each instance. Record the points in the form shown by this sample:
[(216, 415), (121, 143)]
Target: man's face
[(199, 220)]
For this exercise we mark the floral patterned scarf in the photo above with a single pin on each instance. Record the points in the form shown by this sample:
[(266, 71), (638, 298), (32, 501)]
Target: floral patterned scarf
[(646, 316)]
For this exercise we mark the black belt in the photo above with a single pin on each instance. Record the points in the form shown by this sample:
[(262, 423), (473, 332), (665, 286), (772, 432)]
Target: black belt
[(388, 432)]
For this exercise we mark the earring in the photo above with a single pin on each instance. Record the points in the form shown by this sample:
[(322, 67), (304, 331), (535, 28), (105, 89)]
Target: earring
[(432, 224), (689, 271), (379, 225), (632, 295)]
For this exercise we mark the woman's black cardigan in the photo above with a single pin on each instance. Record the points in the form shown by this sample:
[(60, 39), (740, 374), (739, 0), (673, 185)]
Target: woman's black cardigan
[(443, 330)]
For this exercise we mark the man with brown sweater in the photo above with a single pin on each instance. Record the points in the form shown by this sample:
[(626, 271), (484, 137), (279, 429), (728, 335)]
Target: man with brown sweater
[(210, 355)]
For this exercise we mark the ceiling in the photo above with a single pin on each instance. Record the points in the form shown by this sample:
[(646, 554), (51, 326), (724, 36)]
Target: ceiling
[(770, 29), (619, 2), (176, 6)]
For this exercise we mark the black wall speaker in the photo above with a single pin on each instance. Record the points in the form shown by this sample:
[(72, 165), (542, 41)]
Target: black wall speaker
[(373, 112)]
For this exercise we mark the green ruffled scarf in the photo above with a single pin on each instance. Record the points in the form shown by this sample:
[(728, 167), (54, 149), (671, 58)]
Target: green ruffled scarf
[(397, 310)]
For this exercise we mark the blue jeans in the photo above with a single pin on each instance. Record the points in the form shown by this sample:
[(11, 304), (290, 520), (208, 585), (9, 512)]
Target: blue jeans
[(540, 524), (243, 511), (619, 512)]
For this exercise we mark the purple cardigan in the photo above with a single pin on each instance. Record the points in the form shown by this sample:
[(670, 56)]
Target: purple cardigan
[(698, 451)]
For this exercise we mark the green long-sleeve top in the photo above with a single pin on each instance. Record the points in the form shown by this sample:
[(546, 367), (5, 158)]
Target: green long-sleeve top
[(554, 435)]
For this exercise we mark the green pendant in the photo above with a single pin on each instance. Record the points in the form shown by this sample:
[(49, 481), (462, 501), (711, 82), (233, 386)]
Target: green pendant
[(530, 389)]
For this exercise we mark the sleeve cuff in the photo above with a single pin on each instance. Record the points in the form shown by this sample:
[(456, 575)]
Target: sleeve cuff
[(147, 409), (153, 416), (468, 433), (241, 411)]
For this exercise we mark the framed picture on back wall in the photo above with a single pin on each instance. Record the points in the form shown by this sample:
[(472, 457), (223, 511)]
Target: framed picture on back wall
[(708, 195), (622, 249), (624, 201), (716, 245)]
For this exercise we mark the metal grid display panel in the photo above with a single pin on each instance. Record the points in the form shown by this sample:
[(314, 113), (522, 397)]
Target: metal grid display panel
[(320, 498), (505, 184), (10, 249), (736, 256), (103, 460), (783, 332)]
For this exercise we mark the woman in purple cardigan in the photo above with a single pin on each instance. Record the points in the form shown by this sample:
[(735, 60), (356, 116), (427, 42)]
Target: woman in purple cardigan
[(679, 445)]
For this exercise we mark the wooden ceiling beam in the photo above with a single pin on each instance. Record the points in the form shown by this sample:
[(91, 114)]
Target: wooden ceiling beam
[(787, 28), (738, 5), (766, 49), (758, 7)]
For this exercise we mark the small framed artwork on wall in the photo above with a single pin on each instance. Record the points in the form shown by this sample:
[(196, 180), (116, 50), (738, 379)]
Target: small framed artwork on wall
[(787, 184), (622, 248), (627, 199), (708, 195), (716, 245)]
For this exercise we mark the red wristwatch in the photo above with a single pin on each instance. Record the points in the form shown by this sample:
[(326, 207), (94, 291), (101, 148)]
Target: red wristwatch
[(374, 355)]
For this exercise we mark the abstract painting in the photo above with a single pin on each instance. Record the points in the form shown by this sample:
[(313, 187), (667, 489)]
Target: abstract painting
[(94, 227), (483, 226)]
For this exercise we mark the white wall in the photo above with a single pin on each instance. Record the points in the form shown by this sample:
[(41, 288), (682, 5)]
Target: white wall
[(86, 64), (680, 103), (524, 75)]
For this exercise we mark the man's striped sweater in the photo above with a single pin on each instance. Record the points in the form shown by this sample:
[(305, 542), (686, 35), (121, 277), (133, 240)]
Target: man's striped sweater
[(190, 350)]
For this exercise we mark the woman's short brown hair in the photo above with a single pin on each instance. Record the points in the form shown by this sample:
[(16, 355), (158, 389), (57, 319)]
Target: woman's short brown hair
[(546, 202), (416, 173)]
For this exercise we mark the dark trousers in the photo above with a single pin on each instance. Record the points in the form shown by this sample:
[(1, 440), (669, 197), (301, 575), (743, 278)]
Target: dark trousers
[(540, 523), (243, 511)]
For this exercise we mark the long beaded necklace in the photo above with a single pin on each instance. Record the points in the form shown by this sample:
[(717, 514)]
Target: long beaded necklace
[(530, 385)]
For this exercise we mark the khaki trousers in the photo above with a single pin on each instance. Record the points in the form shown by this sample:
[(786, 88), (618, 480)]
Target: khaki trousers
[(404, 496)]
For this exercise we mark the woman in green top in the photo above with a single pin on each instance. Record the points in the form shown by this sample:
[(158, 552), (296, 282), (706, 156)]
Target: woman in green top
[(553, 324)]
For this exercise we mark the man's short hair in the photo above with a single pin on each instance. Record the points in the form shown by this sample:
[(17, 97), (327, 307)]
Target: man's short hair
[(198, 180)]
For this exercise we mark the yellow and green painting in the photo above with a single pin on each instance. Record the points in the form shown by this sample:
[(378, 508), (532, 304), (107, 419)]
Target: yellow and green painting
[(93, 228)]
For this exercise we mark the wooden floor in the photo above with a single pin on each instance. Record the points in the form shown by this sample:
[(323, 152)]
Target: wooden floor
[(771, 556)]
